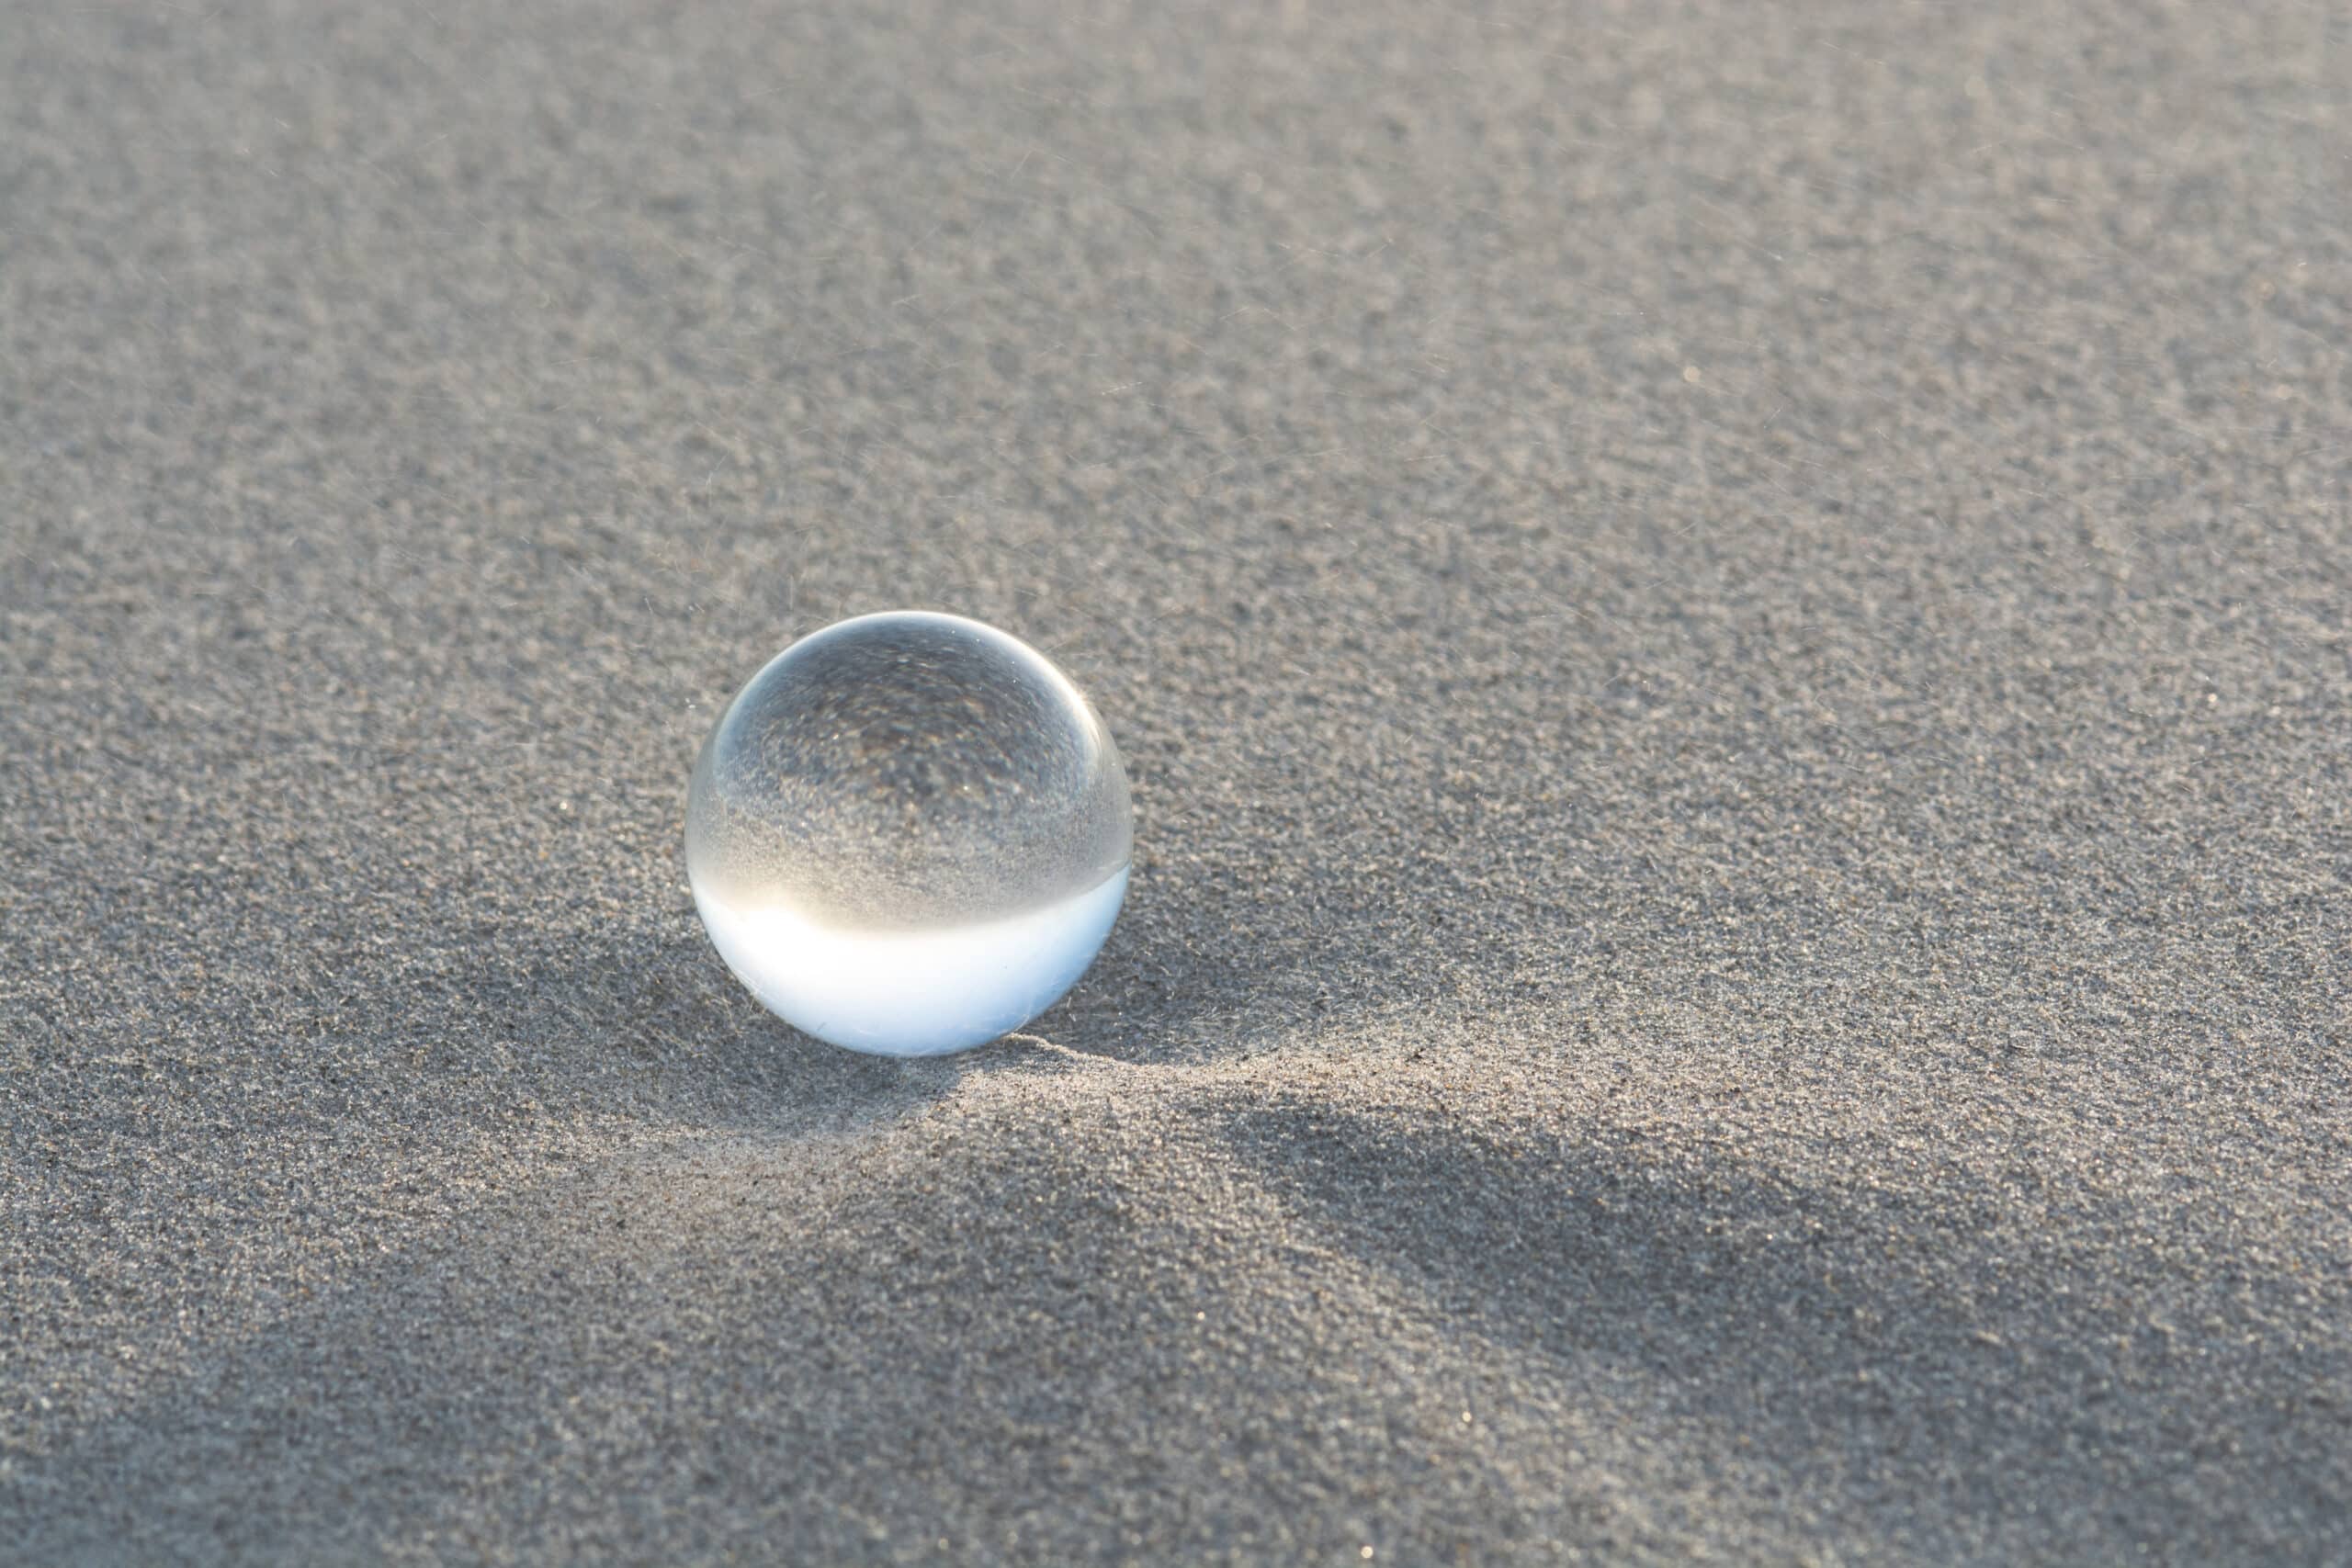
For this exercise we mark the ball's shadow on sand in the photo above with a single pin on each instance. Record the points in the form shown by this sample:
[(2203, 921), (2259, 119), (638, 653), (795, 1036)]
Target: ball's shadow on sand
[(1193, 975), (644, 1019), (627, 1011)]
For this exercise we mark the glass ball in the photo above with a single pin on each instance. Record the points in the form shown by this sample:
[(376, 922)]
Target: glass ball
[(908, 834)]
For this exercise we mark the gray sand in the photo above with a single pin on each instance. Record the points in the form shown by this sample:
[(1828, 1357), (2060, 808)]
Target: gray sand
[(1731, 627)]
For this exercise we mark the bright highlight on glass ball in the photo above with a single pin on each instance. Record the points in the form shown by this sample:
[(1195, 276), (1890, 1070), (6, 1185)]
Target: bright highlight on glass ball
[(908, 834)]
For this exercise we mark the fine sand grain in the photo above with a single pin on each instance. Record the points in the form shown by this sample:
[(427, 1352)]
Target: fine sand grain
[(1730, 624)]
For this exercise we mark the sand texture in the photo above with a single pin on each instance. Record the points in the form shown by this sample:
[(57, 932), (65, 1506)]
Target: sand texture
[(1730, 627)]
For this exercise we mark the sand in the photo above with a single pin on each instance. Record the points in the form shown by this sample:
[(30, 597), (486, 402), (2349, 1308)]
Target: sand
[(1730, 624)]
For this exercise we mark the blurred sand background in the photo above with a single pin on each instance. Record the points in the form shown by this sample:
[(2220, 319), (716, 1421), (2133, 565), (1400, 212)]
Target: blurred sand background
[(1730, 623)]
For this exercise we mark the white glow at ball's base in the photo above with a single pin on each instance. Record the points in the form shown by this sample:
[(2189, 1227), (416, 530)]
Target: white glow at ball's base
[(913, 993)]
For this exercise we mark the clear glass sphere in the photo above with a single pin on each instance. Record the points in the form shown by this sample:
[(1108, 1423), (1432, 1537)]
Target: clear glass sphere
[(908, 834)]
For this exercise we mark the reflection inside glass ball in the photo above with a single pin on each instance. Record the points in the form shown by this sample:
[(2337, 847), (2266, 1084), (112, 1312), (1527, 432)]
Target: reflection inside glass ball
[(908, 834)]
